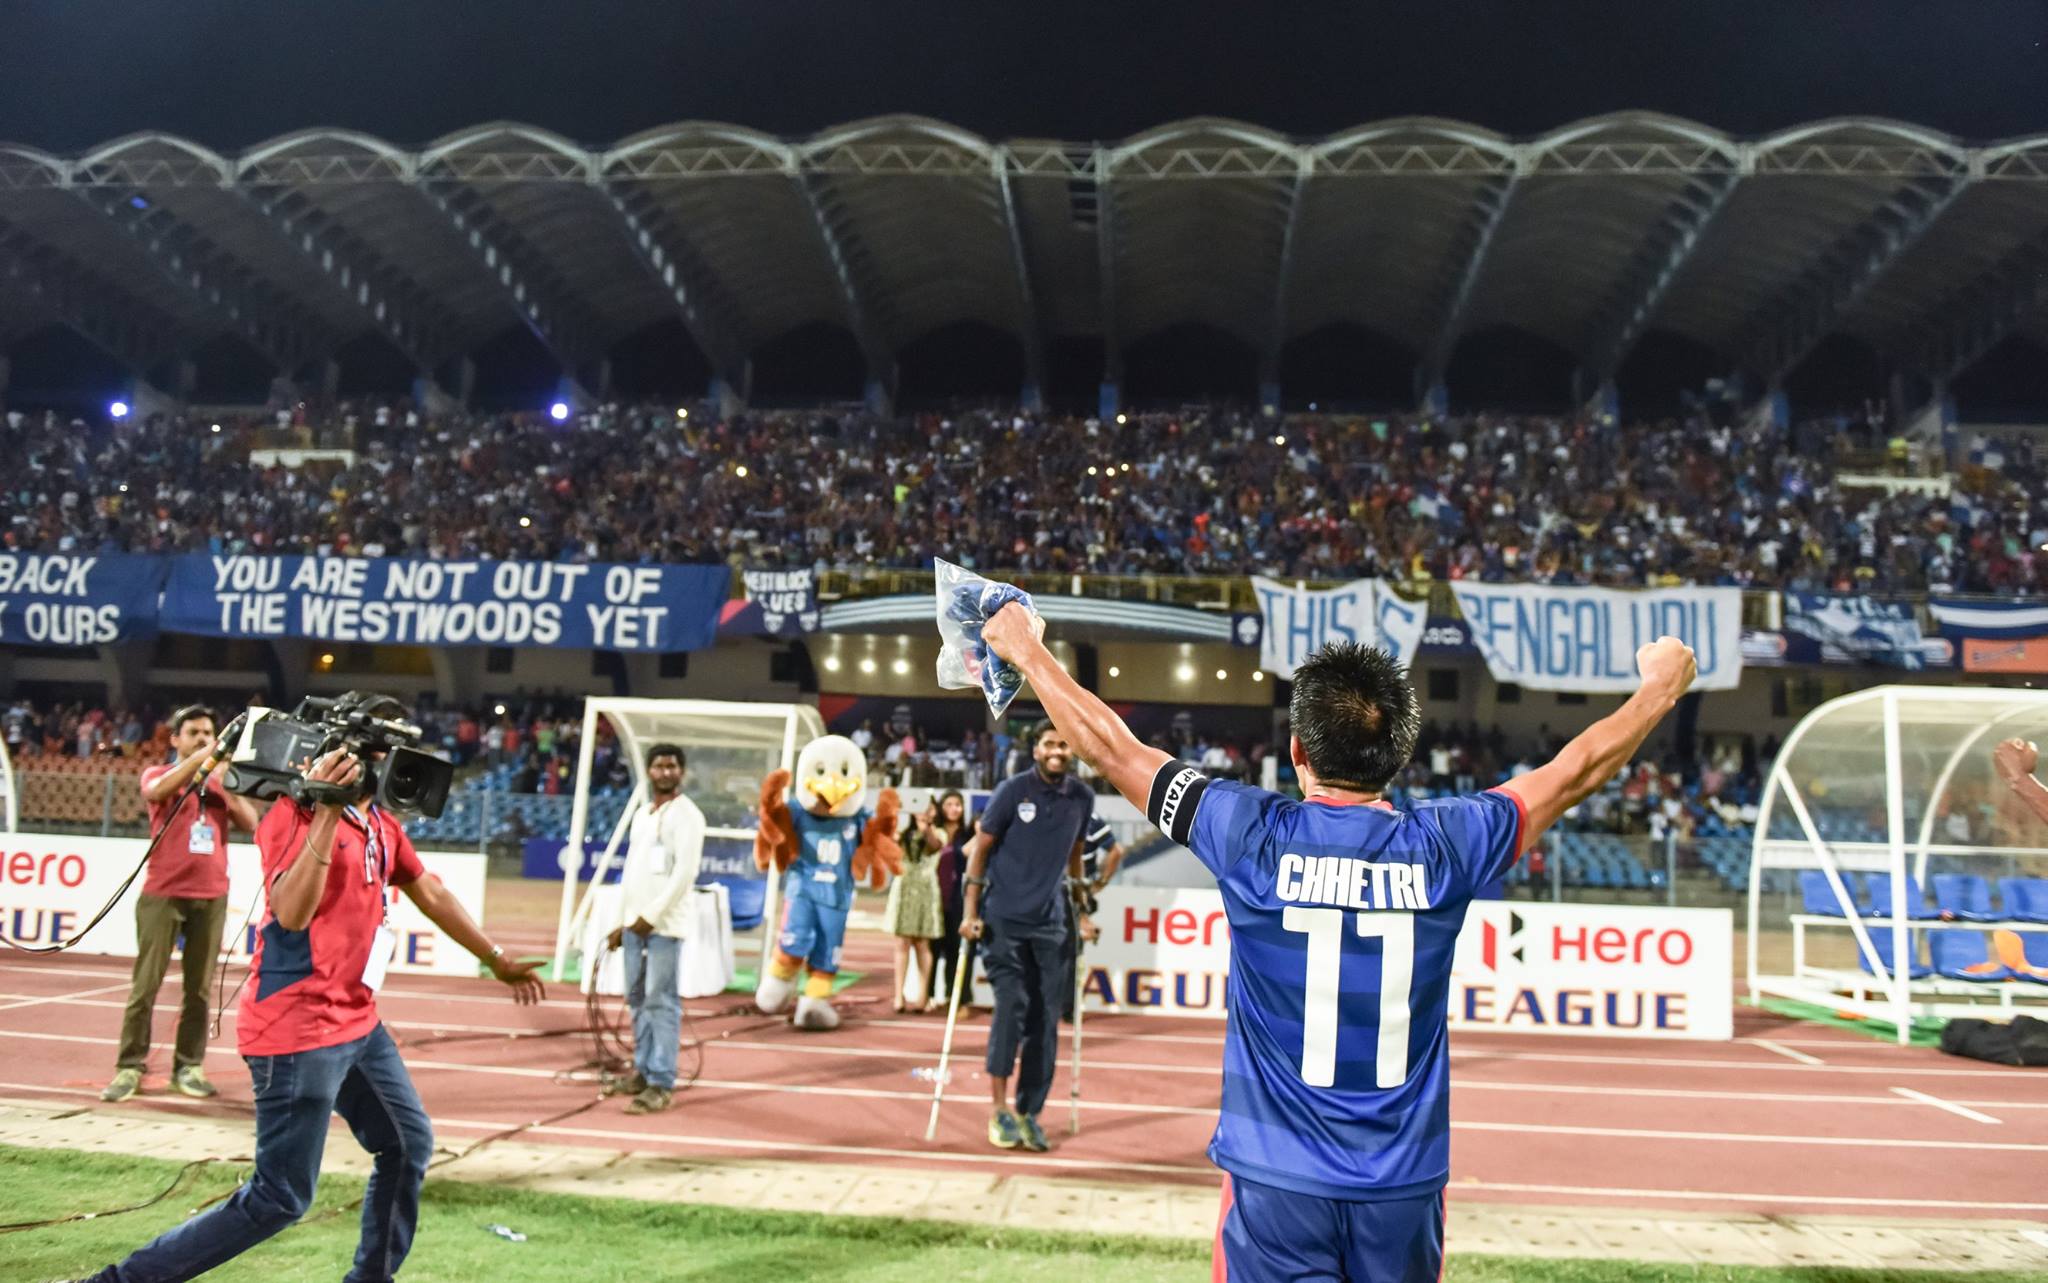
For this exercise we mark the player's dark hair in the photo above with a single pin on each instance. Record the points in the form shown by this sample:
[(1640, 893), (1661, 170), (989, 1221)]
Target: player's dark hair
[(668, 750), (191, 713), (1040, 729), (1355, 713)]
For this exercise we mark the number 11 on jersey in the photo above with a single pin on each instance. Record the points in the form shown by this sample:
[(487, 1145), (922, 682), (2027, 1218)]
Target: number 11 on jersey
[(1325, 931)]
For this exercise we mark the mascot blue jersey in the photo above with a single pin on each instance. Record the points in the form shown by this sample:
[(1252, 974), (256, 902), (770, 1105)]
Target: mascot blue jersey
[(823, 870)]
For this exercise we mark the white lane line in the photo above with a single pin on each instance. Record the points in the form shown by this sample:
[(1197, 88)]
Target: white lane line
[(1747, 1138), (69, 998), (798, 1089), (1680, 1093), (641, 1139), (1737, 1196), (1939, 1103), (1787, 1052)]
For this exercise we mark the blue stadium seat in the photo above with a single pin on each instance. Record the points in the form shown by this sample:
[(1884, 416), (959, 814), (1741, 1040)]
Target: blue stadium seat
[(1965, 955), (1965, 895), (2035, 945), (1878, 888), (2025, 899), (1881, 940), (1816, 896)]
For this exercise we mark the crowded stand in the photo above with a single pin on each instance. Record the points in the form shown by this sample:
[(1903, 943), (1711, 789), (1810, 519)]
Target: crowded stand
[(1494, 497)]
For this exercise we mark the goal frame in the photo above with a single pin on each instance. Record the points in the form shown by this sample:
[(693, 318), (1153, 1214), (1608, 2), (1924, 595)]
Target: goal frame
[(801, 723)]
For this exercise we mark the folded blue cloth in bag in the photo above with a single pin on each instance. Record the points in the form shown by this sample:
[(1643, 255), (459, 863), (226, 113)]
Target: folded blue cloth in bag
[(966, 602)]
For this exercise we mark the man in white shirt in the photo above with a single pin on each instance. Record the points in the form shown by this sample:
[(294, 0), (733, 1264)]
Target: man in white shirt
[(664, 851)]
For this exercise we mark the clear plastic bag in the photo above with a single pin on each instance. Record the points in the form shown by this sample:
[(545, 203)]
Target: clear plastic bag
[(965, 601)]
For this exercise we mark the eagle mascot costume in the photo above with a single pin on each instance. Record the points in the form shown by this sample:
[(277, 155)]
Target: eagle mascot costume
[(819, 836)]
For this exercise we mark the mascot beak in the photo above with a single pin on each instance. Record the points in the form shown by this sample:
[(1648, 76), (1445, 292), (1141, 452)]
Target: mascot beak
[(834, 789)]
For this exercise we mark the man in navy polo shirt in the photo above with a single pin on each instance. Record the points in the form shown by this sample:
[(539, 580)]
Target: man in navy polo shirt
[(309, 1031), (1026, 846)]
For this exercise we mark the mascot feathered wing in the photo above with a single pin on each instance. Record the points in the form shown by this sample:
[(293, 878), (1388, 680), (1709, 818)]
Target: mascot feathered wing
[(815, 832)]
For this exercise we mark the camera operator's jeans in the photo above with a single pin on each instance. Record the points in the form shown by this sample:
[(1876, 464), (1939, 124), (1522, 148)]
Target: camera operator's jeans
[(365, 1082), (651, 992)]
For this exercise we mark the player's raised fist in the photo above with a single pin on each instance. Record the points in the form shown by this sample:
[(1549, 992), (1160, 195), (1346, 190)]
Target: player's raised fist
[(1011, 630), (1667, 663), (2015, 759)]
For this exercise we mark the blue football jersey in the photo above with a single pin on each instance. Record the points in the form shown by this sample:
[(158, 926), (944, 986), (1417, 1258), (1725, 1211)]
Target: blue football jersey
[(823, 870), (1343, 919)]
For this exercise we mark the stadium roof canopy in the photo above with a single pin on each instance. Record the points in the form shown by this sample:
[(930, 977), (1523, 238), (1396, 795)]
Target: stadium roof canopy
[(1421, 230)]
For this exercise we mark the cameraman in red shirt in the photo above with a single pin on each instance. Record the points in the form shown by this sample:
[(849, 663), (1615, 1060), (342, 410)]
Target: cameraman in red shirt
[(309, 1031)]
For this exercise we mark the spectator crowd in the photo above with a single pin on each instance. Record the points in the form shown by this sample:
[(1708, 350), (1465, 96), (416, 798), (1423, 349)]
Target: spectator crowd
[(1208, 492)]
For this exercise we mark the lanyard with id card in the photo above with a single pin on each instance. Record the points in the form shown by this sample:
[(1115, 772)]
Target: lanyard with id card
[(375, 868)]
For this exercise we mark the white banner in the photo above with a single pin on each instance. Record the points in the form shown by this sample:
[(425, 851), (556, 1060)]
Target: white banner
[(51, 885), (1610, 970), (1598, 970), (1585, 639), (1297, 622)]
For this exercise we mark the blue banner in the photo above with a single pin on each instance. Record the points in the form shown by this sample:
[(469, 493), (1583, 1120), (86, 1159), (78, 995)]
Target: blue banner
[(1959, 618), (727, 860), (1585, 639), (400, 601), (58, 599), (1860, 628)]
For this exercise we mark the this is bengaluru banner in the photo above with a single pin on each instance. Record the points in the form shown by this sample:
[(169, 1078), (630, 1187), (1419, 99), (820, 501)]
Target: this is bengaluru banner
[(1585, 639), (406, 601), (1297, 621)]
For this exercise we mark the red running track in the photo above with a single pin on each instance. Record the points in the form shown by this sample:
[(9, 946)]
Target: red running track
[(1788, 1118)]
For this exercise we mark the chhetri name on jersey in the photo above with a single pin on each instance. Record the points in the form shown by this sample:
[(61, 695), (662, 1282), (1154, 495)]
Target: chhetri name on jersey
[(1349, 883)]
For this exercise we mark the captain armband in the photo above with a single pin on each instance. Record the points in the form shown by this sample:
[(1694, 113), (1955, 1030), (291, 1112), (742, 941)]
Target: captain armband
[(1176, 791), (975, 881)]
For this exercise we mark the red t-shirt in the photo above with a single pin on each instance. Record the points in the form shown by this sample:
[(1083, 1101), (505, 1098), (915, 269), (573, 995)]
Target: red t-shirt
[(305, 988), (182, 866)]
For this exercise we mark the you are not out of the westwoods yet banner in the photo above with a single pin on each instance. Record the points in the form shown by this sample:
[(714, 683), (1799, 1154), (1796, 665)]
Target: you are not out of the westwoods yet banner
[(391, 600), (1585, 639), (1296, 622), (60, 599)]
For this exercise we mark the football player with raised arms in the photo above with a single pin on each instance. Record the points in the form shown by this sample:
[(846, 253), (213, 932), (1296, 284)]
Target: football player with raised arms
[(1334, 1132)]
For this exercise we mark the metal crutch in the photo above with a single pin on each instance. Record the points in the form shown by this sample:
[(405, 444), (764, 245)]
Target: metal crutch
[(1080, 990), (959, 984)]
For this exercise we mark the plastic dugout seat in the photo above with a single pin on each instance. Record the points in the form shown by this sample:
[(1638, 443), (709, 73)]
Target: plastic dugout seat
[(1964, 895), (2034, 945), (1816, 896), (1878, 887), (1881, 940), (1965, 955), (2026, 899)]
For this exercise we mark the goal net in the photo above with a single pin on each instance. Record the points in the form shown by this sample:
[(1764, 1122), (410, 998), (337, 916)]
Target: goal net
[(730, 747), (1906, 877)]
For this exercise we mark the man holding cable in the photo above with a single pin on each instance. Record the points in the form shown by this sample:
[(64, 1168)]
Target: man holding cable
[(308, 1030), (185, 894), (1026, 848)]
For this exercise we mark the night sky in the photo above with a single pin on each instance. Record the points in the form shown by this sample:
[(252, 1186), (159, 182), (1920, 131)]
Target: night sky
[(230, 73), (77, 72)]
